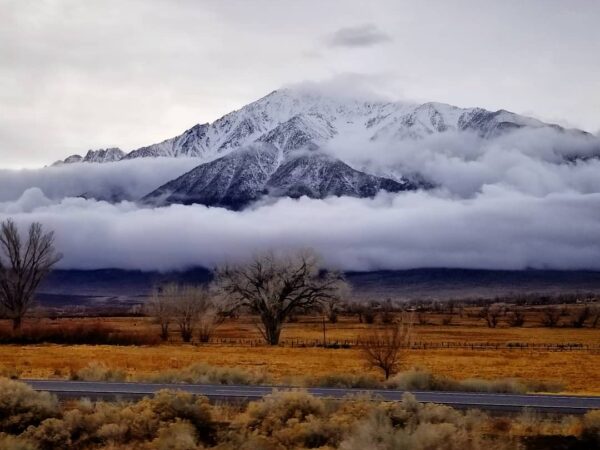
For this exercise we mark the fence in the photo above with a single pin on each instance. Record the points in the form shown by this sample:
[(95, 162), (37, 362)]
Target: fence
[(349, 343)]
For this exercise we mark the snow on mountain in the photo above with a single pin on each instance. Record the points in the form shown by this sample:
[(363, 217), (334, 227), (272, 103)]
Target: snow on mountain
[(238, 178), (69, 160), (95, 156), (104, 155), (190, 143), (282, 145), (294, 118)]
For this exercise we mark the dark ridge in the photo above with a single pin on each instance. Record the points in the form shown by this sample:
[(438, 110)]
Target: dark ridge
[(116, 286)]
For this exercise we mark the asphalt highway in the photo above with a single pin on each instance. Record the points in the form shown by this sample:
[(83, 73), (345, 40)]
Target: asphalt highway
[(563, 404)]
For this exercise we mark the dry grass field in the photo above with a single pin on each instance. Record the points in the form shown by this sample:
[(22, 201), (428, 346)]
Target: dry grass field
[(578, 371)]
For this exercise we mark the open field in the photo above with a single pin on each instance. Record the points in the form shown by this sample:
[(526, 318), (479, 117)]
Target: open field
[(577, 370)]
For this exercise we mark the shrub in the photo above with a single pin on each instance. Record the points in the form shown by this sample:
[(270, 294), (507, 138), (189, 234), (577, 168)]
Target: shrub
[(176, 436), (422, 380), (147, 420), (503, 386), (275, 411), (415, 426), (50, 434), (74, 334), (169, 406), (9, 442), (414, 380), (21, 406), (10, 372), (96, 371), (294, 419), (205, 374), (345, 381), (591, 427)]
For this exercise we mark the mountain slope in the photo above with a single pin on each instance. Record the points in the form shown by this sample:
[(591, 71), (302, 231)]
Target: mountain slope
[(280, 144), (95, 156), (296, 118), (239, 178)]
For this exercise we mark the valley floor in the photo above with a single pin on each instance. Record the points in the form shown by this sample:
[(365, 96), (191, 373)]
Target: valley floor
[(577, 370)]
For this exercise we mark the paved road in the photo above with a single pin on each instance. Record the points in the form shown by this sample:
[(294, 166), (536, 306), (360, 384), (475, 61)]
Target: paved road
[(508, 402)]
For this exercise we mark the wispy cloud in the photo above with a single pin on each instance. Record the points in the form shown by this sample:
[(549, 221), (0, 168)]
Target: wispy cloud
[(358, 36)]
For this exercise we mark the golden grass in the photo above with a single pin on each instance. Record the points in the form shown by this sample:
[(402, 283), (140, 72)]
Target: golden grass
[(311, 329), (579, 371)]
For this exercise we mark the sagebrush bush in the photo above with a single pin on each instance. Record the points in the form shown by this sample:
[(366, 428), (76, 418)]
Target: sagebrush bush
[(9, 442), (97, 371), (177, 420), (21, 406), (503, 385), (414, 380), (200, 373), (10, 372), (274, 411), (423, 380), (591, 427), (50, 434), (114, 424), (344, 381), (414, 426), (176, 436), (292, 419)]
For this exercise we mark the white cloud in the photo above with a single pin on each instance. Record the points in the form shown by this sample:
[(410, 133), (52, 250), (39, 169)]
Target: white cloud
[(358, 36), (510, 203), (499, 228), (129, 179)]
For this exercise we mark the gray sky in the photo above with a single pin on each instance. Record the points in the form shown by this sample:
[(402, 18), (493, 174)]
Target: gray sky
[(78, 74)]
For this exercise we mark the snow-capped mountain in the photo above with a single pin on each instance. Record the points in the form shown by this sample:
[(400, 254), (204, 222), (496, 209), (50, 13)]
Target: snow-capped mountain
[(95, 156), (282, 145), (296, 118), (241, 177)]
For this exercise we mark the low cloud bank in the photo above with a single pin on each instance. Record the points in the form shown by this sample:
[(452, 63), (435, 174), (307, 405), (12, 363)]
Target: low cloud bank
[(499, 228), (519, 201), (126, 179)]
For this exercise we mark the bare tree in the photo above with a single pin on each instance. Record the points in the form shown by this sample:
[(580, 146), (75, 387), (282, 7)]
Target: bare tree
[(357, 307), (331, 308), (422, 318), (447, 319), (491, 315), (369, 313), (334, 305), (387, 312), (189, 305), (160, 308), (275, 287), (213, 314), (516, 317), (382, 348), (550, 316), (581, 316), (23, 265)]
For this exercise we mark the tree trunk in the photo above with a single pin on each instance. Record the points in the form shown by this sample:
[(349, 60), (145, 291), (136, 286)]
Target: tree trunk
[(186, 334), (272, 333), (17, 323), (387, 371), (164, 331)]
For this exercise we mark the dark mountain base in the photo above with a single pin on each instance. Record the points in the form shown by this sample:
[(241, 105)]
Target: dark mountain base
[(126, 287)]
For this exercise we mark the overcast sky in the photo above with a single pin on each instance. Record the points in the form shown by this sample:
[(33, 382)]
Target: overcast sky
[(78, 74)]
